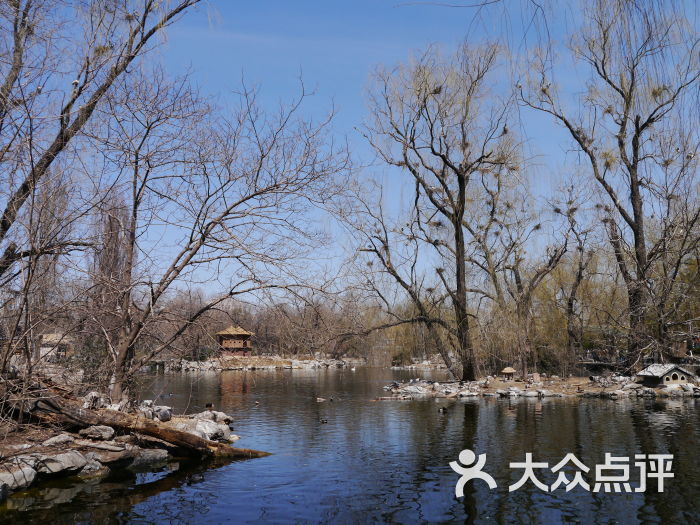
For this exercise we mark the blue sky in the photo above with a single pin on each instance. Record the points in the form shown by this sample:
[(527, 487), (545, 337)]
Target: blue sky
[(334, 46)]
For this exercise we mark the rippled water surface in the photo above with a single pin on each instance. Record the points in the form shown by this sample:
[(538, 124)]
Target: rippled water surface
[(384, 461)]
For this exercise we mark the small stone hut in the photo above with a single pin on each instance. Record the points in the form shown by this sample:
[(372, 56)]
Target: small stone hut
[(235, 340), (670, 374)]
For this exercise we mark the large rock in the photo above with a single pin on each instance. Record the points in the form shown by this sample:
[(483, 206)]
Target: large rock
[(100, 432), (648, 392), (92, 464), (187, 425), (615, 394), (61, 439), (94, 400), (414, 389), (213, 430), (149, 456), (632, 386), (213, 415), (204, 428), (93, 469), (468, 393), (542, 392), (107, 457), (145, 412), (17, 473), (162, 413), (71, 461), (150, 411)]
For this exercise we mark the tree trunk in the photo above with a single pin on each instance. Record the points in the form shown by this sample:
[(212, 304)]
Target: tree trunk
[(636, 341), (465, 348)]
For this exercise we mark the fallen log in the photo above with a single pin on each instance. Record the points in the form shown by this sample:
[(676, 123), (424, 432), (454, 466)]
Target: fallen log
[(73, 413)]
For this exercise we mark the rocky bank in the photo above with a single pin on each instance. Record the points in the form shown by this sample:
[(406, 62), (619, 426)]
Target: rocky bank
[(611, 387), (42, 454), (253, 363)]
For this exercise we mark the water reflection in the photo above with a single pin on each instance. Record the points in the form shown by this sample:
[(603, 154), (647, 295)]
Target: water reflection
[(389, 461)]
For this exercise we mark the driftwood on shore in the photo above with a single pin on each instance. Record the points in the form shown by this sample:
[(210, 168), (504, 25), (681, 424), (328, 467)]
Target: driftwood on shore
[(72, 413), (53, 404)]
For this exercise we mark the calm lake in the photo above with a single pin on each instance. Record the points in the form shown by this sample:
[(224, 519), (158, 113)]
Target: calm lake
[(386, 461)]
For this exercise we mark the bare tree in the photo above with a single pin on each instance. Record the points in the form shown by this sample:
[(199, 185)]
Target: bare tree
[(57, 63), (221, 201), (438, 121)]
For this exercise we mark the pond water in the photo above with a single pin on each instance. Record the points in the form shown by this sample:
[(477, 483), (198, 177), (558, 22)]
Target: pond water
[(386, 461)]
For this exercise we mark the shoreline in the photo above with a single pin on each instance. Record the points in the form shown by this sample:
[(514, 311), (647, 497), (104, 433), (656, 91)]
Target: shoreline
[(613, 387), (221, 364)]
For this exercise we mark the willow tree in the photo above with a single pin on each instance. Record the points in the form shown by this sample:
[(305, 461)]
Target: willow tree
[(635, 126)]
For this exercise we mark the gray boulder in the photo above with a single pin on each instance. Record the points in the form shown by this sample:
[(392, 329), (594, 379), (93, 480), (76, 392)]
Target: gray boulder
[(544, 393), (414, 389), (615, 394), (213, 415), (17, 473), (212, 430), (632, 386), (107, 457), (71, 461), (149, 456), (205, 428), (18, 447), (150, 411), (100, 432), (468, 393), (93, 466), (145, 412), (163, 413), (94, 400), (61, 439)]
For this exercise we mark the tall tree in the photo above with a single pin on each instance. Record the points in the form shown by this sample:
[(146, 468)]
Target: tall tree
[(439, 122), (636, 127)]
